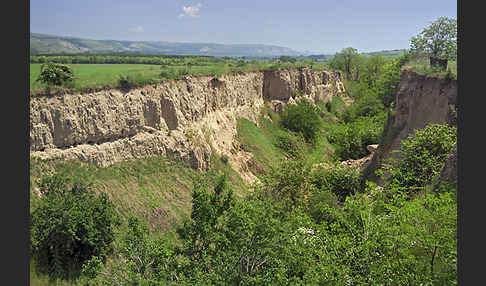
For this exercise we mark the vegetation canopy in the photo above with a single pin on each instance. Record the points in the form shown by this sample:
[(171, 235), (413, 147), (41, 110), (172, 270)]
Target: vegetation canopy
[(439, 39), (55, 74), (69, 226)]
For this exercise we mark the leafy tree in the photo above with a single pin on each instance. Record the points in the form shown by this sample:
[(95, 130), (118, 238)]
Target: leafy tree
[(55, 74), (288, 185), (346, 60), (199, 232), (373, 69), (69, 226), (340, 180), (143, 260), (422, 155), (387, 83), (302, 117), (287, 59), (368, 105), (351, 139), (439, 39)]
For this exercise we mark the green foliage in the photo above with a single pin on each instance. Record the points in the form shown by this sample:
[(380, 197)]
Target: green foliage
[(387, 84), (368, 105), (126, 81), (336, 106), (439, 39), (422, 155), (291, 144), (351, 139), (422, 66), (261, 142), (288, 185), (287, 59), (143, 260), (373, 242), (348, 60), (302, 117), (197, 233), (339, 180), (70, 226), (54, 74)]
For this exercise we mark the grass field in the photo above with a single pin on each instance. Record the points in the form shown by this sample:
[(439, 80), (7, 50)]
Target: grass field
[(94, 76), (99, 75)]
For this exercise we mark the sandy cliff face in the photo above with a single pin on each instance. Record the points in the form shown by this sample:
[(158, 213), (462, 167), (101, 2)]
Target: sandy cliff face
[(420, 100), (314, 85), (188, 118)]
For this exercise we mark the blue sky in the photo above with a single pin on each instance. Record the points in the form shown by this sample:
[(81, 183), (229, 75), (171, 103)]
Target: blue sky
[(324, 26)]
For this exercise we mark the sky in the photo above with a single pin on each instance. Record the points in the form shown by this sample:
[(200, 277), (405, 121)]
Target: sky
[(317, 26)]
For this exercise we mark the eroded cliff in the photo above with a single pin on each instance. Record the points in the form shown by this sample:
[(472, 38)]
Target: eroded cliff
[(188, 118), (420, 100)]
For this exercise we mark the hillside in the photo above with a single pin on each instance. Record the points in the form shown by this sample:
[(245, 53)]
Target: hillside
[(50, 44), (158, 152)]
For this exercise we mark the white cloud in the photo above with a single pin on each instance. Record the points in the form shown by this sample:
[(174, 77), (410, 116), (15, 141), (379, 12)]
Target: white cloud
[(190, 11), (137, 29)]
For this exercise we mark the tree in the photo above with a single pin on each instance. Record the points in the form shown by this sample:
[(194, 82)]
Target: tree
[(439, 39), (55, 74), (345, 60), (70, 226), (422, 156), (287, 59), (302, 117)]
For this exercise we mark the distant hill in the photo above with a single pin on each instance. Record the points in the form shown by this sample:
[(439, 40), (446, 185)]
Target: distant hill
[(49, 44)]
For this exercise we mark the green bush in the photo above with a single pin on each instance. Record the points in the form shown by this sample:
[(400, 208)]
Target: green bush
[(144, 260), (422, 156), (351, 139), (336, 106), (69, 226), (340, 180), (55, 74), (388, 82), (368, 105), (302, 118), (125, 81), (291, 144)]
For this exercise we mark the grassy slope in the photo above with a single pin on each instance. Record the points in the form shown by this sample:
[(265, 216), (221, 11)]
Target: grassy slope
[(157, 190), (261, 140)]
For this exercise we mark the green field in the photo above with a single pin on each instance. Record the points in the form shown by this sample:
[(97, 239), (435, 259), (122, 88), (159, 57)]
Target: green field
[(99, 75), (90, 76)]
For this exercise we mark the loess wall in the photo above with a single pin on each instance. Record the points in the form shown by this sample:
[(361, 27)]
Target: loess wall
[(189, 118)]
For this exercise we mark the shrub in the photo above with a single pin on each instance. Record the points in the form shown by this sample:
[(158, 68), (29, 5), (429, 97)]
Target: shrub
[(126, 81), (422, 156), (368, 105), (336, 106), (388, 82), (303, 118), (144, 260), (340, 180), (291, 144), (55, 74), (69, 227), (351, 139)]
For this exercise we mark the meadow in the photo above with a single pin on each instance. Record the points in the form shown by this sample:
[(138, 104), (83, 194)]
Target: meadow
[(98, 75)]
